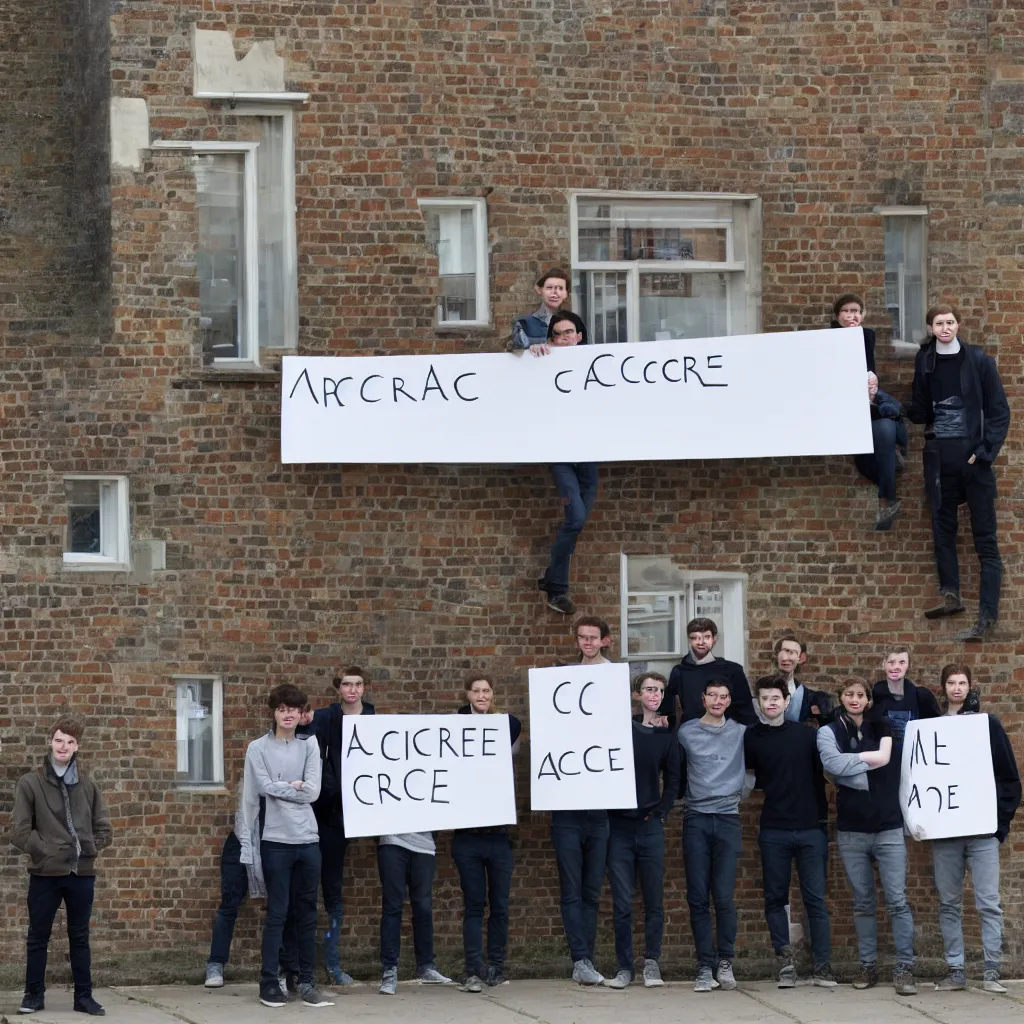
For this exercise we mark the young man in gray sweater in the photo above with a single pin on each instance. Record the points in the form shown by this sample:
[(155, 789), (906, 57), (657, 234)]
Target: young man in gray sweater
[(713, 783), (279, 835)]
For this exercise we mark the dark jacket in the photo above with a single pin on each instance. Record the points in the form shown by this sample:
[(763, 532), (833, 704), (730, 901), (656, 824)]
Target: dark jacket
[(326, 727), (917, 702), (877, 808), (40, 821), (820, 699), (687, 682), (988, 414), (869, 344), (885, 407), (656, 764)]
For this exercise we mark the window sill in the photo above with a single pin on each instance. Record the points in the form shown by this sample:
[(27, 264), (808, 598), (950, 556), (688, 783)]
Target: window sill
[(73, 565), (905, 349), (207, 788), (228, 375), (463, 325)]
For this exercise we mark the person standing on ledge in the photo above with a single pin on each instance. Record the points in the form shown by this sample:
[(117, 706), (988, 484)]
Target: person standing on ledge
[(959, 398)]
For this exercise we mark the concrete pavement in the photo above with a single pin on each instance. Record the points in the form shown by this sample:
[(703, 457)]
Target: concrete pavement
[(544, 1002)]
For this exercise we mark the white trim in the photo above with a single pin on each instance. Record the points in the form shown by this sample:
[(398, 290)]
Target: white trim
[(249, 345), (217, 717), (478, 204), (902, 211), (703, 196), (664, 267), (254, 97), (115, 519), (204, 146)]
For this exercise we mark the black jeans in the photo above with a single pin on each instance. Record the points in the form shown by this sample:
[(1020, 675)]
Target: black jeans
[(809, 848), (711, 851), (333, 846), (45, 895), (484, 860), (401, 869), (976, 485), (580, 839), (636, 846), (577, 487), (292, 876), (234, 888)]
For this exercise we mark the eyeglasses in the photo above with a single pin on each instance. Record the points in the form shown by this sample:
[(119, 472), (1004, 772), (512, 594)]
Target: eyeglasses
[(562, 334)]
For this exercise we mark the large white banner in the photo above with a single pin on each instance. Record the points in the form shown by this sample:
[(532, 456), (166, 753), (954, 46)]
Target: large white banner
[(581, 739), (947, 786), (421, 773), (750, 396)]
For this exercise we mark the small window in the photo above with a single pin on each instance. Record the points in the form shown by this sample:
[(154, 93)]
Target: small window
[(457, 235), (98, 535), (660, 267), (659, 598), (200, 731), (905, 273)]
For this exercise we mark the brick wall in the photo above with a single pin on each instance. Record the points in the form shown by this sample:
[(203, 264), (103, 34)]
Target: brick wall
[(824, 109)]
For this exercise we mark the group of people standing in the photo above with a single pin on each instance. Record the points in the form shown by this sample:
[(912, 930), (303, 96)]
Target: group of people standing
[(957, 396)]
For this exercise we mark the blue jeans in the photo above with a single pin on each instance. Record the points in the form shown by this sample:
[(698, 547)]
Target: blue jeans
[(484, 860), (292, 876), (580, 839), (636, 846), (45, 895), (401, 869), (234, 888), (951, 858), (860, 851), (577, 487), (880, 466), (711, 851), (809, 848)]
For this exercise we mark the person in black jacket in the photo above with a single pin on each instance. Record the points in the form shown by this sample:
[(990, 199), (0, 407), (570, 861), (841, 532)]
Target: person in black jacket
[(483, 857), (783, 756), (636, 839), (325, 725), (959, 398), (952, 857), (686, 681), (848, 311), (898, 700), (805, 703)]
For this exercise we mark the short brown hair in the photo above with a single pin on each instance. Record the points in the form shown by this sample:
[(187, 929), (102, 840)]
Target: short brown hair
[(476, 677), (553, 272), (954, 670), (789, 638), (772, 682), (592, 620), (638, 680), (286, 695), (845, 300), (352, 670), (852, 681), (70, 725), (942, 309), (702, 625), (897, 650)]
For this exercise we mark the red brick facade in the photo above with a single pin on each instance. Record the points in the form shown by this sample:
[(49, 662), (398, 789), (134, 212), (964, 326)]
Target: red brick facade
[(826, 110)]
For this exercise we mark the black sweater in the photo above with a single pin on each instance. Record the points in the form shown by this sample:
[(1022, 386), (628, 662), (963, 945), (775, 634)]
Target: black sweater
[(877, 808), (687, 682), (656, 766), (784, 760), (916, 702)]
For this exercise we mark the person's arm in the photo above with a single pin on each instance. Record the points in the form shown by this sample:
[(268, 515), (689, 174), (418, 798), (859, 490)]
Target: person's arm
[(888, 407), (869, 347), (682, 770), (102, 832), (741, 708), (312, 772), (1004, 767), (920, 410), (878, 758), (667, 708), (927, 705), (996, 411), (23, 835), (842, 767), (264, 785), (248, 807), (670, 773)]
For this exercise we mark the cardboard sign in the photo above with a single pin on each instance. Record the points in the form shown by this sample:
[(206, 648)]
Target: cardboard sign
[(581, 739), (421, 773), (717, 398), (947, 786)]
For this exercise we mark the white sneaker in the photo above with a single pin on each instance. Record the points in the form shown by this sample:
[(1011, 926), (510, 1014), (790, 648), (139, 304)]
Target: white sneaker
[(705, 981), (652, 974), (432, 976), (622, 979), (725, 976), (991, 982), (585, 973)]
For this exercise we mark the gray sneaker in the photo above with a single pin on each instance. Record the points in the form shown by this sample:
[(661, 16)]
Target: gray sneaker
[(214, 976), (725, 976), (785, 969), (652, 974), (312, 996), (432, 976), (622, 979), (991, 982), (954, 981), (389, 982), (472, 984), (823, 976), (903, 980), (705, 981), (585, 973)]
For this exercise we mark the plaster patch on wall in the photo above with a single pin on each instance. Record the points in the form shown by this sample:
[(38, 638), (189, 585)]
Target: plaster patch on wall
[(129, 131), (215, 68)]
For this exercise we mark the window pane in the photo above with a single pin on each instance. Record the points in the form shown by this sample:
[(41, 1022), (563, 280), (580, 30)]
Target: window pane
[(683, 306), (913, 280), (84, 517), (651, 623), (220, 259), (271, 219), (603, 305), (652, 230), (451, 232), (195, 731)]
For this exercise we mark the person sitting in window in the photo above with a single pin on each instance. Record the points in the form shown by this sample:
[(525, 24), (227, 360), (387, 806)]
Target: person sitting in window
[(881, 464)]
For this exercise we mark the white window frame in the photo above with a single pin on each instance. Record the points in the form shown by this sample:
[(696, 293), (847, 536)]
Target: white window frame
[(751, 269), (478, 205), (218, 731), (115, 519), (907, 213), (736, 631), (249, 348)]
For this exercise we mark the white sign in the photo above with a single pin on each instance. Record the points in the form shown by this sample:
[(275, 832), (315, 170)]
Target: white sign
[(749, 396), (947, 786), (421, 773), (581, 739)]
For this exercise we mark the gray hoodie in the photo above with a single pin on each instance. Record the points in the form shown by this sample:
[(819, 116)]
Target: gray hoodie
[(713, 766)]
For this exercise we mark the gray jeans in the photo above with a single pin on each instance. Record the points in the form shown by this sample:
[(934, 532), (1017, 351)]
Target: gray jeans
[(860, 851), (951, 858)]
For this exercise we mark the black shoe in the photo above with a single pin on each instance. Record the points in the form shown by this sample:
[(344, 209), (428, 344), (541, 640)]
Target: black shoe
[(561, 603), (31, 1002), (273, 995), (494, 976), (86, 1004), (950, 605), (980, 631), (887, 515)]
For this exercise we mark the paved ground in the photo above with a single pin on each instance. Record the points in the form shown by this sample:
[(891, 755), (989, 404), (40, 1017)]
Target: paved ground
[(546, 1002)]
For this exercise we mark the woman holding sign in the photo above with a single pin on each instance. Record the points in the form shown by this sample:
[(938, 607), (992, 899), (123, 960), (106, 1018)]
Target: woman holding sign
[(952, 857), (484, 859)]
